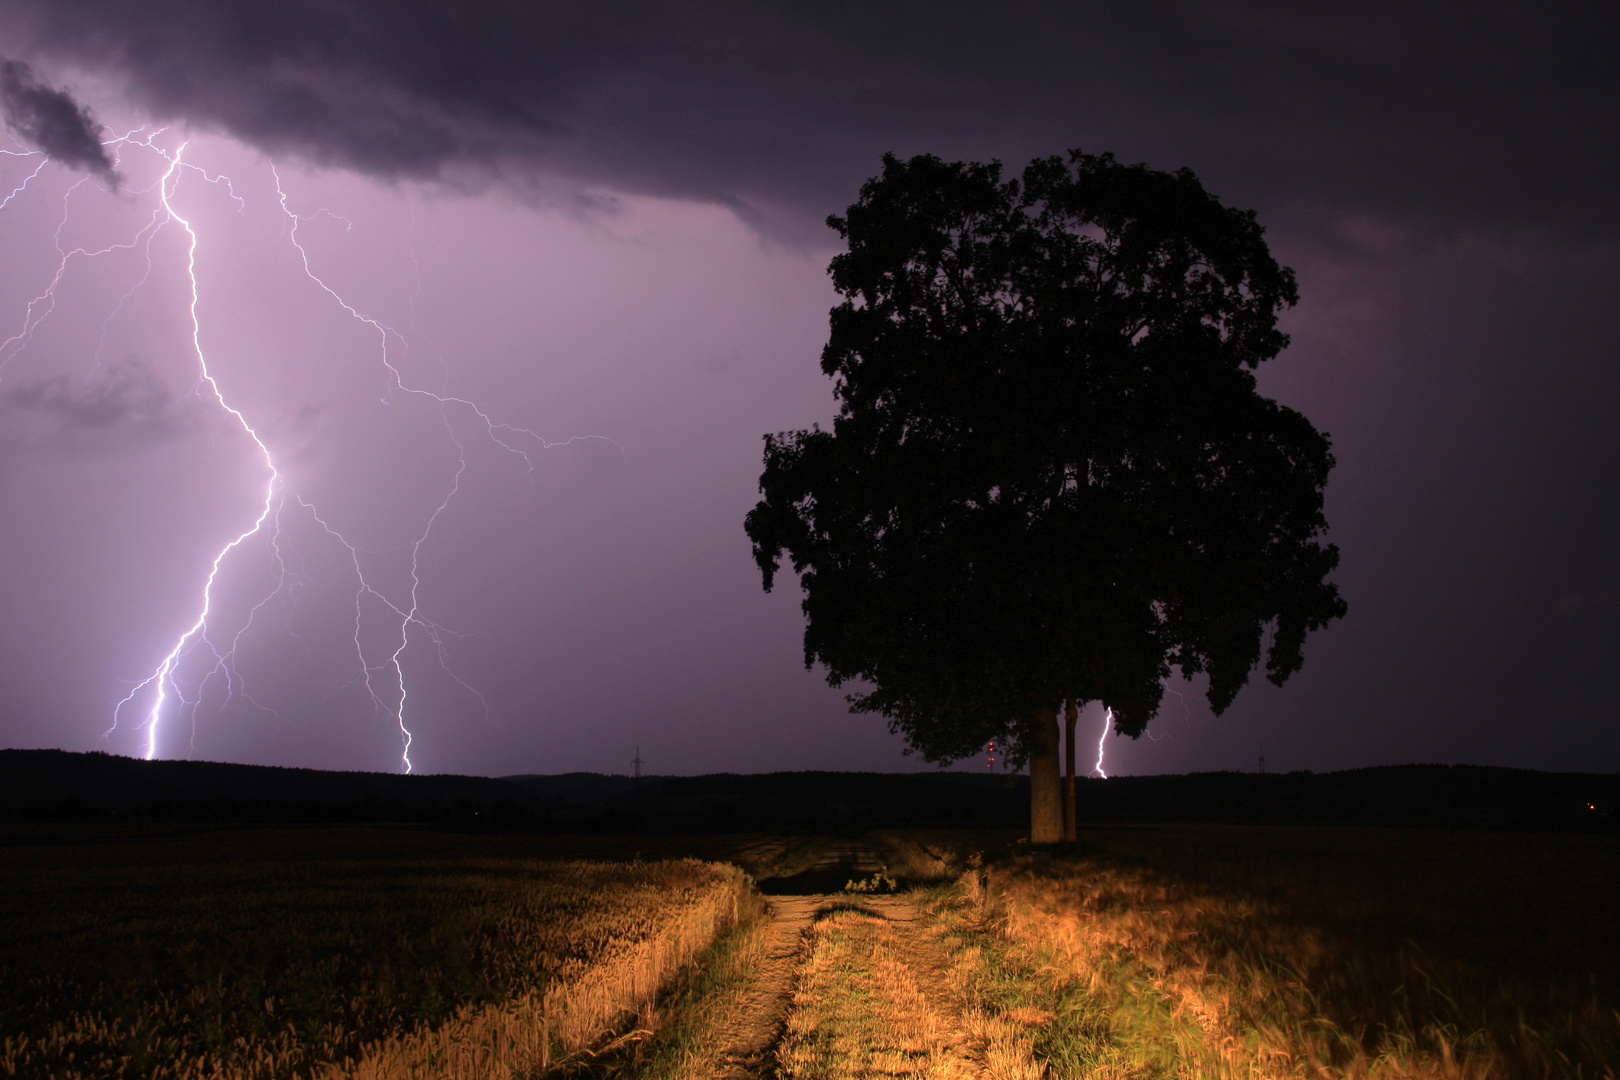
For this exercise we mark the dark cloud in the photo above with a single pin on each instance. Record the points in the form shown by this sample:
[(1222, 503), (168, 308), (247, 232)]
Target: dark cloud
[(123, 406), (1495, 113), (52, 121), (1604, 599)]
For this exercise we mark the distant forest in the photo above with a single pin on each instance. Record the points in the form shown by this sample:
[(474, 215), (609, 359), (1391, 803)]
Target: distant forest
[(55, 784)]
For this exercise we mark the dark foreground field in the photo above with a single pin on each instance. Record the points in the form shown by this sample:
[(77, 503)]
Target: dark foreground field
[(136, 950), (199, 949)]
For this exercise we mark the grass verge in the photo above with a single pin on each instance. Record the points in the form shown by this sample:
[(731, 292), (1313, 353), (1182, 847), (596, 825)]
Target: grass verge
[(1276, 954), (1187, 982), (695, 1024)]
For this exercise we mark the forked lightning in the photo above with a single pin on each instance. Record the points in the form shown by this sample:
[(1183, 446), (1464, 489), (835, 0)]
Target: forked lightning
[(170, 695)]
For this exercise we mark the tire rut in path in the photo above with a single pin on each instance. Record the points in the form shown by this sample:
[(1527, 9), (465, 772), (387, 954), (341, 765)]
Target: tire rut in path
[(765, 1007)]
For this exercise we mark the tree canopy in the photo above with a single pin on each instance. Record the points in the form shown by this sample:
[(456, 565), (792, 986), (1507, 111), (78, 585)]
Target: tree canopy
[(1051, 477)]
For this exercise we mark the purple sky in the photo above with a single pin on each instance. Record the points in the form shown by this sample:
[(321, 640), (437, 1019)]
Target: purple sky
[(600, 224)]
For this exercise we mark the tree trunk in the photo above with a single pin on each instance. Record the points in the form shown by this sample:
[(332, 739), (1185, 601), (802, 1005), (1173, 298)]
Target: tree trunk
[(1071, 831), (1045, 785)]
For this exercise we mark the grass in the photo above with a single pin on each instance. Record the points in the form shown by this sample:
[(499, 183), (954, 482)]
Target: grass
[(860, 1009), (694, 1026), (346, 952), (1209, 952), (907, 986)]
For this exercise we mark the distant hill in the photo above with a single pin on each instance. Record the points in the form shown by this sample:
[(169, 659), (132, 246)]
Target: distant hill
[(1406, 795), (53, 783), (57, 782), (791, 800)]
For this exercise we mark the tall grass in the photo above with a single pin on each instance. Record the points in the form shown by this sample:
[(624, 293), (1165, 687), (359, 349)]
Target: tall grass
[(1284, 952), (586, 997), (308, 966), (1183, 981), (708, 1013)]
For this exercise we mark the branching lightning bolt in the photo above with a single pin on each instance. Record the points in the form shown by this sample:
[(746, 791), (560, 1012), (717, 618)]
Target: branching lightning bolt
[(20, 188), (163, 678), (165, 682), (1108, 723), (1186, 717), (409, 612)]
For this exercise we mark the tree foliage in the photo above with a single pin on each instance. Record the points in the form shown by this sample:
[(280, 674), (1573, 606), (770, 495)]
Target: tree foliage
[(1051, 476)]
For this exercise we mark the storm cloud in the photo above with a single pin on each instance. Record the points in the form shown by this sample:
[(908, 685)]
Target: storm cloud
[(120, 407), (50, 120), (1494, 115)]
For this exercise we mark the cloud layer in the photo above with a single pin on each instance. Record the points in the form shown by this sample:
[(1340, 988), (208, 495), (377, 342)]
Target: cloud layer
[(1493, 115), (50, 120)]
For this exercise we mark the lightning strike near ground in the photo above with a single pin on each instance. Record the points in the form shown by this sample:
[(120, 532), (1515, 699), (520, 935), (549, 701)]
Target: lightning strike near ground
[(1108, 722), (163, 679), (204, 653)]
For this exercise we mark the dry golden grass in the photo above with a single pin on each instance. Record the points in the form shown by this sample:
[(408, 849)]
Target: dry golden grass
[(859, 1011), (1182, 980), (886, 990), (427, 957), (710, 1008), (1194, 951), (1166, 953), (642, 936)]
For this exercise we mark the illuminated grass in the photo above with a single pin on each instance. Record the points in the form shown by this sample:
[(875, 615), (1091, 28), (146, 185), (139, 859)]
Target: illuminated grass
[(696, 1024), (1166, 953), (1253, 953), (896, 987)]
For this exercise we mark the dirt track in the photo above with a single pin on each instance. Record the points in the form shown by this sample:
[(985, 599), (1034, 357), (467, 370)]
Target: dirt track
[(759, 1023), (790, 1004)]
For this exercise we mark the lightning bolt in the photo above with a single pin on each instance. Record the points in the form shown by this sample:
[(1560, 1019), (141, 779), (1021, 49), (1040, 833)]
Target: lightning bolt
[(384, 679), (164, 677), (1108, 722), (408, 611), (20, 188), (1186, 717)]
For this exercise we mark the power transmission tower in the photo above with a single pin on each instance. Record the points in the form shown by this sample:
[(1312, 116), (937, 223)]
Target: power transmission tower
[(1262, 757)]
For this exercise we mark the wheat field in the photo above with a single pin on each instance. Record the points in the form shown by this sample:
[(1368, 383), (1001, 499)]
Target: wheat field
[(331, 957)]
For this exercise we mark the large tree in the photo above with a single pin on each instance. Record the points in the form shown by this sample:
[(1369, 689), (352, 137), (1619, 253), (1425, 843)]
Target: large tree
[(1052, 477)]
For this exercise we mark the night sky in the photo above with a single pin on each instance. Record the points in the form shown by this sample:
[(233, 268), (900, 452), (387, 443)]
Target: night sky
[(590, 236)]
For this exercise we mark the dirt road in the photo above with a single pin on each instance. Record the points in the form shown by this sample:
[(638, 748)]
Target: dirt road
[(796, 904), (855, 985)]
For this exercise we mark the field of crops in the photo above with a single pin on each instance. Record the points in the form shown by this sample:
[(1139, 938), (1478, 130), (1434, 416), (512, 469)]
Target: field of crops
[(333, 953), (1155, 953)]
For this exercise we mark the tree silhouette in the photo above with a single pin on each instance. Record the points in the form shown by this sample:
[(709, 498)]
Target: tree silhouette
[(1051, 477)]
